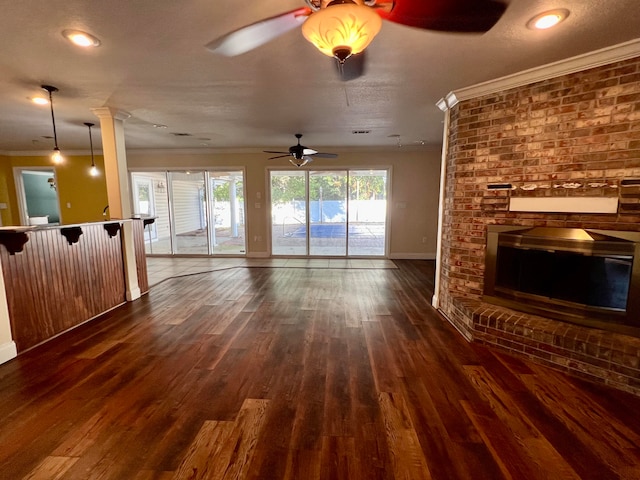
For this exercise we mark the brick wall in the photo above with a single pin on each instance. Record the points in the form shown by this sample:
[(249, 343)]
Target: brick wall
[(577, 135)]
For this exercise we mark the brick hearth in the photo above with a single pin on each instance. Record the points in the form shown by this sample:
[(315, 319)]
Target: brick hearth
[(592, 354), (574, 135)]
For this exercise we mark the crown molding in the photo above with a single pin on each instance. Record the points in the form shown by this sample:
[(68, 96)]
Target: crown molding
[(597, 58)]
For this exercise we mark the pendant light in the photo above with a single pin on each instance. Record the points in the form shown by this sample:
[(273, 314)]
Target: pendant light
[(56, 156), (93, 171), (342, 28)]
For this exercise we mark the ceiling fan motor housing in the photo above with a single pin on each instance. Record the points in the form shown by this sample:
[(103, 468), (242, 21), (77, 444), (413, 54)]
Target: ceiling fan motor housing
[(297, 151)]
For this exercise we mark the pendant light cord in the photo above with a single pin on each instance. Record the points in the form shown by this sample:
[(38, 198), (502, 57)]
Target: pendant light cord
[(91, 145), (53, 120)]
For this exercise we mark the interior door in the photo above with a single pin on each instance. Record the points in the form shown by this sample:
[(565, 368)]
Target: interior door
[(38, 196)]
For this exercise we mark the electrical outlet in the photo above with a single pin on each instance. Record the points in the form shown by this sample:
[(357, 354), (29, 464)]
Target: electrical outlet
[(424, 239)]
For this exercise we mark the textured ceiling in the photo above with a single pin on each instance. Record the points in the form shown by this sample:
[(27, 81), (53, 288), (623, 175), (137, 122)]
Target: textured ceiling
[(153, 64)]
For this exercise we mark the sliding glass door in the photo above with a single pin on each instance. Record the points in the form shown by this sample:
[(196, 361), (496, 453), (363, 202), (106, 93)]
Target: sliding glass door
[(289, 212), (367, 212), (328, 212), (197, 213)]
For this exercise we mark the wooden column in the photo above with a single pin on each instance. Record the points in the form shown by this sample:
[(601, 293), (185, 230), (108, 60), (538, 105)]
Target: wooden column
[(118, 194)]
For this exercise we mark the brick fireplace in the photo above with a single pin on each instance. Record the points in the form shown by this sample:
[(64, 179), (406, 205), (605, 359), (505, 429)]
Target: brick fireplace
[(570, 144)]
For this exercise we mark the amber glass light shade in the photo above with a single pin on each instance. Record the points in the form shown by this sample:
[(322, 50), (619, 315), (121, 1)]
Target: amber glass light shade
[(342, 29)]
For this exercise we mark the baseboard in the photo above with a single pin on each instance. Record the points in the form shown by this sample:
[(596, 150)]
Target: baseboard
[(133, 294), (8, 351), (412, 256), (258, 255)]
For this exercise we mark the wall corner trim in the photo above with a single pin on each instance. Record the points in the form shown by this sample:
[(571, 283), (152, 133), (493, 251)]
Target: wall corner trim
[(8, 351), (597, 58), (447, 102)]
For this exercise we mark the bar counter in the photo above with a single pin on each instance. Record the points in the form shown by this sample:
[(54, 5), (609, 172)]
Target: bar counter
[(57, 277)]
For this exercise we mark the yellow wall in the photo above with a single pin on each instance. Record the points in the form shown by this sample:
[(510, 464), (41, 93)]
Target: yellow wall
[(415, 176), (9, 212), (81, 196)]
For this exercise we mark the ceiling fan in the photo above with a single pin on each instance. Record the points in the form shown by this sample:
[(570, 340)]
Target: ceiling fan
[(461, 16), (300, 154)]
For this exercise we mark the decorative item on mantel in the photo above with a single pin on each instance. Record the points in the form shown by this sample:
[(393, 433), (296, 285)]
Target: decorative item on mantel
[(565, 197), (630, 195)]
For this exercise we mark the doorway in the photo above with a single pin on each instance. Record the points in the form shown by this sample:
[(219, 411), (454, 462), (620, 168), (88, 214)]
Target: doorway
[(37, 195), (197, 212), (329, 212)]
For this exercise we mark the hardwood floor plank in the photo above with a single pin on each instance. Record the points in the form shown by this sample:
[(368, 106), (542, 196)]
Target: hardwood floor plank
[(447, 459), (407, 458), (338, 417), (300, 374), (338, 454), (509, 456), (52, 468), (615, 445), (385, 371), (524, 433), (303, 464), (225, 451), (153, 475)]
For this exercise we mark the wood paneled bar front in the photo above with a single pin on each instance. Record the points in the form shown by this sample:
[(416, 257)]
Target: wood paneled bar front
[(56, 278)]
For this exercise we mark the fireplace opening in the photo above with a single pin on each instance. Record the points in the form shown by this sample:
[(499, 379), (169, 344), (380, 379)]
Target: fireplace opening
[(583, 276)]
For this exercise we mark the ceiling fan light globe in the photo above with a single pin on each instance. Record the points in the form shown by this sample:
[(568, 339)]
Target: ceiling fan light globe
[(344, 26)]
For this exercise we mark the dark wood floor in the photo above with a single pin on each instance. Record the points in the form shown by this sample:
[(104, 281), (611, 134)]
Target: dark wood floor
[(271, 373)]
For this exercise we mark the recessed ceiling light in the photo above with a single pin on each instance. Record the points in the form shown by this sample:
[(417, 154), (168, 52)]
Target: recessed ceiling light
[(80, 38), (548, 19), (159, 125)]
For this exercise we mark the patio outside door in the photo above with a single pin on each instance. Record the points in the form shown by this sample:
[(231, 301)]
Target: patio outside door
[(330, 213), (197, 212)]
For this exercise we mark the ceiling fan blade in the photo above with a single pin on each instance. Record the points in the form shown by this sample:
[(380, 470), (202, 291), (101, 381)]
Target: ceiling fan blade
[(309, 151), (252, 36), (353, 67), (325, 155), (279, 156), (464, 16), (274, 151)]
